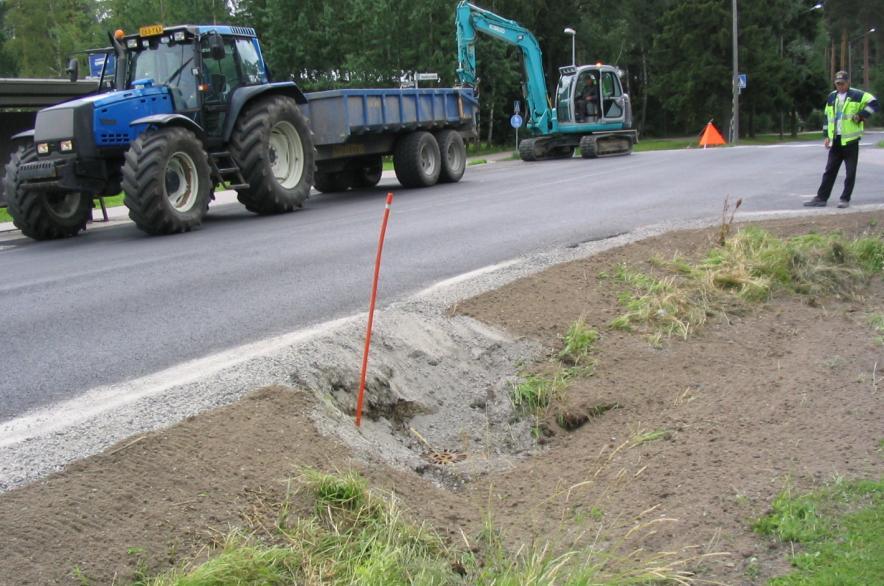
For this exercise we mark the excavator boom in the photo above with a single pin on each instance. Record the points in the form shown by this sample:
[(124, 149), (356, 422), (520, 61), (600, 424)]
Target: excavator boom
[(471, 20)]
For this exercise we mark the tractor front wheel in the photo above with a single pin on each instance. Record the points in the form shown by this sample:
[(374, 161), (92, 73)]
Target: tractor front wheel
[(43, 215), (167, 181)]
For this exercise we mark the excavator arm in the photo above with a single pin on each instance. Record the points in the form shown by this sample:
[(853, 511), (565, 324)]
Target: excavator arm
[(470, 20)]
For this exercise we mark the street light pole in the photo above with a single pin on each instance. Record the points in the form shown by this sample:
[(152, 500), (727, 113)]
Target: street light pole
[(735, 120), (573, 33)]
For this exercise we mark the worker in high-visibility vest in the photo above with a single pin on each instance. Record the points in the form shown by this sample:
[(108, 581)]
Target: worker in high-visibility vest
[(846, 111)]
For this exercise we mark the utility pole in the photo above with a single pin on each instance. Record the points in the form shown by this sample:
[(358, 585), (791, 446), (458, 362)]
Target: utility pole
[(735, 120)]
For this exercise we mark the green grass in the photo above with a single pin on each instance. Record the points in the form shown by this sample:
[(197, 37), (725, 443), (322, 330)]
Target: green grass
[(750, 267), (881, 144), (110, 201), (536, 392), (579, 340), (876, 320), (658, 144), (840, 529), (477, 162), (357, 536)]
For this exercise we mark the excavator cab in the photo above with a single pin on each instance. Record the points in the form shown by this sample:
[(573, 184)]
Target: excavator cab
[(591, 94)]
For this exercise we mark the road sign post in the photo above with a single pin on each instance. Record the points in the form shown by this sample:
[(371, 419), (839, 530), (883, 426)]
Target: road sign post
[(516, 122)]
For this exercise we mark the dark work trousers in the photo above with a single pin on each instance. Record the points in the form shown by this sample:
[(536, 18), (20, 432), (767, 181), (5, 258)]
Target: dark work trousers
[(849, 154)]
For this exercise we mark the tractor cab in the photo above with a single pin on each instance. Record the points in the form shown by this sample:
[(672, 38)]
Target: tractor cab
[(591, 96), (200, 66)]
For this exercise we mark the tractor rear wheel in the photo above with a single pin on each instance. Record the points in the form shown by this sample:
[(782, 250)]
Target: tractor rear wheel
[(167, 181), (417, 160), (43, 215), (454, 155), (273, 146)]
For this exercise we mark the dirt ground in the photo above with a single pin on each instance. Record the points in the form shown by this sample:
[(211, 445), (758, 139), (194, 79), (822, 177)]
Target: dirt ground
[(789, 394)]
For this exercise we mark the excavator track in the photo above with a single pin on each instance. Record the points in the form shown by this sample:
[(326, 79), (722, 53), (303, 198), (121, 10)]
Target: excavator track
[(592, 147)]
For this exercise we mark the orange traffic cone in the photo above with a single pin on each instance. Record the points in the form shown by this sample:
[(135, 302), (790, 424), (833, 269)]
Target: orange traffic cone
[(711, 136)]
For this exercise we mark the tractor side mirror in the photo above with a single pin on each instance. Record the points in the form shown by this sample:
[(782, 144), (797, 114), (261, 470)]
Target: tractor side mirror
[(73, 70), (216, 47)]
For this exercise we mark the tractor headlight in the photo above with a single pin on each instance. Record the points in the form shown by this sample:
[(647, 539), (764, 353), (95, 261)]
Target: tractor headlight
[(178, 36), (43, 148), (132, 43), (66, 146)]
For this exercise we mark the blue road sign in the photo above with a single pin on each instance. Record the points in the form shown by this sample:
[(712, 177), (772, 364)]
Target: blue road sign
[(741, 81), (516, 121)]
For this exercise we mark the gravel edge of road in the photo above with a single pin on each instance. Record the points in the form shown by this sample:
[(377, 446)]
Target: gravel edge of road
[(152, 403)]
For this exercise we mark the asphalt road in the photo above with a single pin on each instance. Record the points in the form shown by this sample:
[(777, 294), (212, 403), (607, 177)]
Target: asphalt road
[(113, 304)]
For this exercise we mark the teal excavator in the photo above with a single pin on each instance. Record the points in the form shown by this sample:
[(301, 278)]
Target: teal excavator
[(590, 111)]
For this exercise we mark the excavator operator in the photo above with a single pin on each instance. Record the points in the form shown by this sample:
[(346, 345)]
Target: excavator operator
[(587, 100)]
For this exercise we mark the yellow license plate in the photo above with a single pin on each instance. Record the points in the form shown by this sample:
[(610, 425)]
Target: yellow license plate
[(150, 31)]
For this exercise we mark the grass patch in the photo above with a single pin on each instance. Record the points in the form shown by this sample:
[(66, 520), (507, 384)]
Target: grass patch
[(110, 201), (750, 267), (660, 144), (477, 162), (358, 536), (579, 340), (877, 322), (841, 529), (881, 144), (536, 392), (663, 144)]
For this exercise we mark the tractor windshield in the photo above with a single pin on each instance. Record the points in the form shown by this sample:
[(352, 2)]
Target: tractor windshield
[(167, 64)]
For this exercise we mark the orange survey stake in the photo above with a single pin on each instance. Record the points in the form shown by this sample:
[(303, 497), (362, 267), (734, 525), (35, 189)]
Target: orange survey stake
[(374, 294)]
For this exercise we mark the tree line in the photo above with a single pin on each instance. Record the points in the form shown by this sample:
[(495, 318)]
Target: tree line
[(676, 55)]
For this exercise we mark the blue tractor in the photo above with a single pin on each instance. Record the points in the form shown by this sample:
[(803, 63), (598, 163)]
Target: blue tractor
[(185, 109)]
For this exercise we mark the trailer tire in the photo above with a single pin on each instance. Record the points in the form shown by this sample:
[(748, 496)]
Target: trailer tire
[(332, 182), (273, 146), (167, 181), (454, 156), (417, 160), (369, 172), (43, 215)]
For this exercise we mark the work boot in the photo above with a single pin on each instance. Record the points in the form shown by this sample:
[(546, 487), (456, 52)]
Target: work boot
[(815, 203), (844, 203)]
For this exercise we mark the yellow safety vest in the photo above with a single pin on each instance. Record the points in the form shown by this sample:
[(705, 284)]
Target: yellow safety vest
[(856, 102)]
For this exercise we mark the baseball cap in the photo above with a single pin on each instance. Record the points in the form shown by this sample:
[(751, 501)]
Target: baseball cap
[(842, 76)]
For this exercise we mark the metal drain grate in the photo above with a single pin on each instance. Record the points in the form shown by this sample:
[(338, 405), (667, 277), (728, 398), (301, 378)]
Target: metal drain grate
[(445, 457)]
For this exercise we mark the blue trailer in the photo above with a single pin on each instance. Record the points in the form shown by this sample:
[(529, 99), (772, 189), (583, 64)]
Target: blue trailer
[(424, 130)]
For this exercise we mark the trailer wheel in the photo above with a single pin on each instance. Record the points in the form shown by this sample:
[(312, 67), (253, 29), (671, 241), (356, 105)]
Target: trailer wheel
[(167, 181), (273, 146), (43, 215), (369, 172), (417, 160), (454, 156), (332, 182)]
